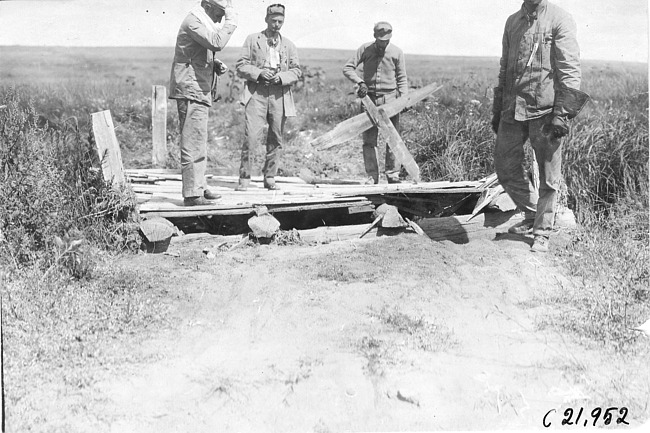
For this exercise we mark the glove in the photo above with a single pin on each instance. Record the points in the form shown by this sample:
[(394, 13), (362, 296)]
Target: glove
[(363, 90), (558, 128), (231, 17), (496, 119)]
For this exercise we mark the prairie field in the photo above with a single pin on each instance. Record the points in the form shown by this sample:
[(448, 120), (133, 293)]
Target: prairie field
[(89, 321)]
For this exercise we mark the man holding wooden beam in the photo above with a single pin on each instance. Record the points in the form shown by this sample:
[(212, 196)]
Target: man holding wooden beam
[(192, 84), (384, 80)]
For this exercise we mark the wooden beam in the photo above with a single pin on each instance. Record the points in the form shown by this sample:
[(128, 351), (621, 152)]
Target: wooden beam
[(202, 212), (107, 147), (159, 125), (354, 126), (387, 130)]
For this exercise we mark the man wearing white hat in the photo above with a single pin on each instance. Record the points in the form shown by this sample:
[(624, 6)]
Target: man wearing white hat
[(193, 85), (384, 80)]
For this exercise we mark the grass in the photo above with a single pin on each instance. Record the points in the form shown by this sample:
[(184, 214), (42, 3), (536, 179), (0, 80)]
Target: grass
[(421, 334)]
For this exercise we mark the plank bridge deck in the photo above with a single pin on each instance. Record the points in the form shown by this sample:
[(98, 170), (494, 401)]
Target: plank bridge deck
[(158, 192)]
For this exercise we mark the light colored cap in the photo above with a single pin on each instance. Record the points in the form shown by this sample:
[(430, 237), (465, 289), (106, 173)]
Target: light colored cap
[(383, 31), (275, 9), (222, 4)]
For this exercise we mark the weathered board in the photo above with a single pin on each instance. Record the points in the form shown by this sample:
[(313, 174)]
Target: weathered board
[(107, 147), (159, 125), (388, 132)]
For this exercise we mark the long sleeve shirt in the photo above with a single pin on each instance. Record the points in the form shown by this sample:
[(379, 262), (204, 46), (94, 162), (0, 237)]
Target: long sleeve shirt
[(383, 73), (540, 55), (192, 75), (255, 57)]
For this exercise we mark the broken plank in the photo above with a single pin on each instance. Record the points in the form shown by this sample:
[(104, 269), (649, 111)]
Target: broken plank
[(389, 133), (354, 126), (398, 147), (108, 148)]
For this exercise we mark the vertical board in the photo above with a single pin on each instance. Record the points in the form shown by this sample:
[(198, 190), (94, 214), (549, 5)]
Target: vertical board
[(107, 147), (159, 125)]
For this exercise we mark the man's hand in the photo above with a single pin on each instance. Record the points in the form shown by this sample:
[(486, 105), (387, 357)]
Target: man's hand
[(496, 120), (220, 67), (266, 75), (276, 80), (558, 128), (363, 90), (231, 16)]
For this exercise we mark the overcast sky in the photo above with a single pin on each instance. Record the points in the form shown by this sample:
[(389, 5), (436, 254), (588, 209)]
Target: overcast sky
[(607, 29)]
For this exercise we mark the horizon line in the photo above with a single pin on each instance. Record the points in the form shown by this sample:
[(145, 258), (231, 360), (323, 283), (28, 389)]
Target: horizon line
[(303, 48)]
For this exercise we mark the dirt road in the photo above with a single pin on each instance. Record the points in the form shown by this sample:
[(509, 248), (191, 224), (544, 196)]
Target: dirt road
[(388, 334)]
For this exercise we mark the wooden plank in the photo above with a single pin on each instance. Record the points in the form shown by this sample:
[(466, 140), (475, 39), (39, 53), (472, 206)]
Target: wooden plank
[(361, 209), (107, 147), (200, 211), (159, 125), (398, 147), (389, 133), (354, 126)]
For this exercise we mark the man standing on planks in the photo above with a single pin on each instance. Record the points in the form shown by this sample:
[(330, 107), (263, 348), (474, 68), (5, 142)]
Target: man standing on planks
[(269, 64), (384, 80), (193, 85), (538, 93)]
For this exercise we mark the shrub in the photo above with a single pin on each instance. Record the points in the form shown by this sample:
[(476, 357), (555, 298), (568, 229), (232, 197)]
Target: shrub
[(50, 189)]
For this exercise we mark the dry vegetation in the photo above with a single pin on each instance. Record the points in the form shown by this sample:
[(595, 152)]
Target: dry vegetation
[(59, 224)]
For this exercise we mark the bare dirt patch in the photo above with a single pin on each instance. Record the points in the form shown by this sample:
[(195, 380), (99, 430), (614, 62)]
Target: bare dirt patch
[(390, 334)]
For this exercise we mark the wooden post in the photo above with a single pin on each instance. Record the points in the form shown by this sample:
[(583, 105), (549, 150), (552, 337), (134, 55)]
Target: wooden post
[(159, 125), (107, 147)]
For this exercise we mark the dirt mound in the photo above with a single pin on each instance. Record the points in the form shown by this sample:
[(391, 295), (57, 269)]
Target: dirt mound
[(396, 333)]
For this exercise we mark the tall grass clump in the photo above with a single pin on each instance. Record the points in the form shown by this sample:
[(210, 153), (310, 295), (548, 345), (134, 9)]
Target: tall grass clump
[(607, 175), (53, 203), (450, 134)]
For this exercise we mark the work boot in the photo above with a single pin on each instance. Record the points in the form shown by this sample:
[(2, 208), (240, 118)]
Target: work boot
[(371, 180), (197, 201), (210, 195), (540, 244), (523, 228), (269, 183), (243, 184), (393, 179)]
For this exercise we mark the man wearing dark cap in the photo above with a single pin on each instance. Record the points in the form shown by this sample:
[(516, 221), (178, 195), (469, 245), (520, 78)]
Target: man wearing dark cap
[(193, 84), (384, 80), (269, 64)]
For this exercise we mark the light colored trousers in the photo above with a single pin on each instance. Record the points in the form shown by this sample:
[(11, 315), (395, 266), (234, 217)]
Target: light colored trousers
[(370, 160), (193, 121), (509, 162), (265, 106)]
